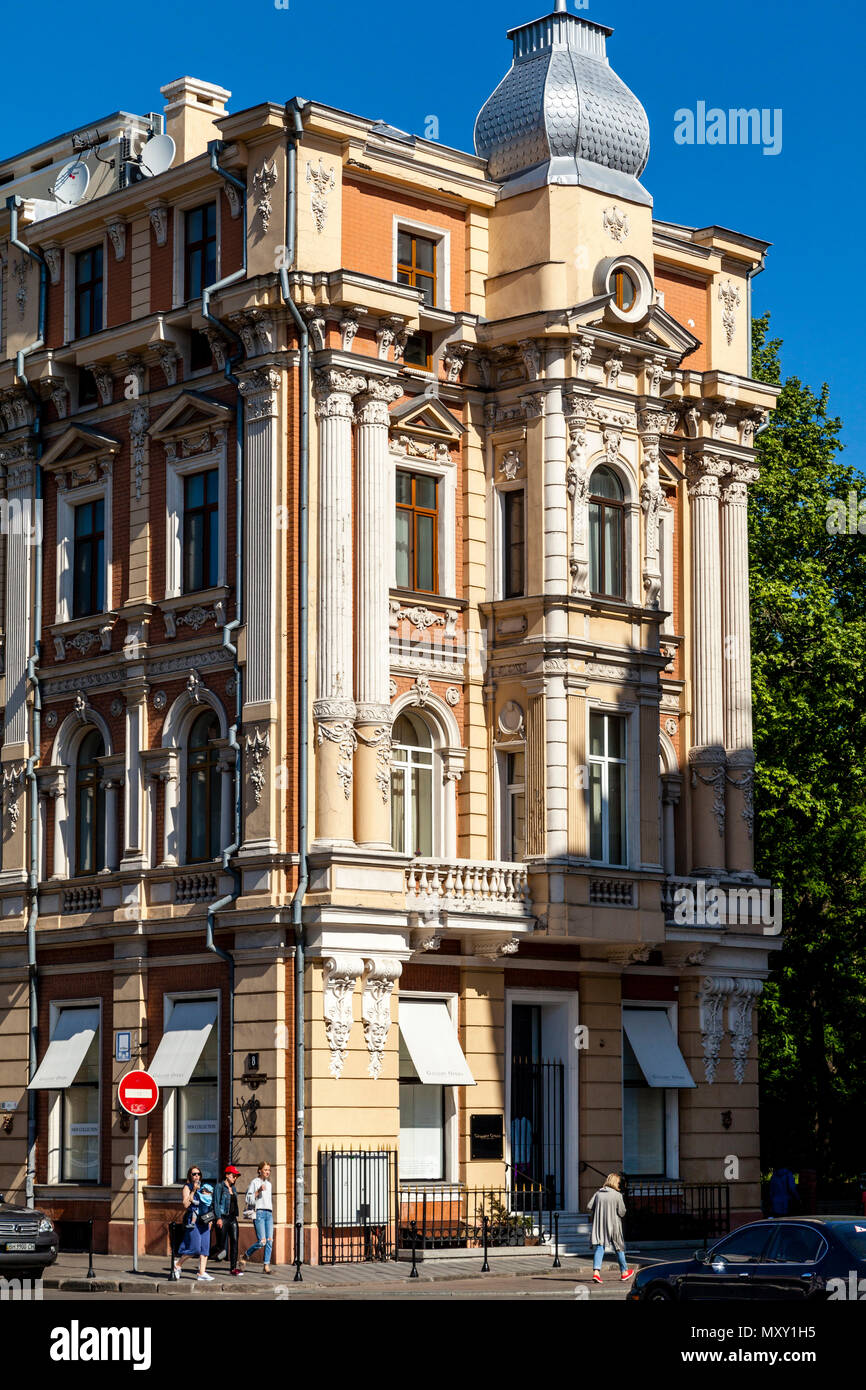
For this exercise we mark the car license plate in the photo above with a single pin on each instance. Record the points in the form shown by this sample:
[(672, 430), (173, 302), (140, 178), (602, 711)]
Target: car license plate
[(20, 1245)]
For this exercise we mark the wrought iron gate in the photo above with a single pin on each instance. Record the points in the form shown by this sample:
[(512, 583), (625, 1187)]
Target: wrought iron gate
[(538, 1130), (357, 1217)]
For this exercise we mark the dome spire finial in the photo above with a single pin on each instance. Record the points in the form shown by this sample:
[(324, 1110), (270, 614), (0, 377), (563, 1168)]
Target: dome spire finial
[(561, 6)]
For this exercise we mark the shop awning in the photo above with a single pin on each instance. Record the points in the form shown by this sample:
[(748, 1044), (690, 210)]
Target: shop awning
[(183, 1042), (72, 1036), (430, 1036), (655, 1047)]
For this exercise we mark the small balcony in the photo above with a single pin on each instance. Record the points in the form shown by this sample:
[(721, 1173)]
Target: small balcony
[(468, 886)]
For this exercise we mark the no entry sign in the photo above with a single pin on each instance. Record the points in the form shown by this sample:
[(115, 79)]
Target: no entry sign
[(138, 1093)]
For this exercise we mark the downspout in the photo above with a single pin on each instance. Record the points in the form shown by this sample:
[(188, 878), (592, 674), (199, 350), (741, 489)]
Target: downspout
[(13, 205), (293, 135), (229, 629)]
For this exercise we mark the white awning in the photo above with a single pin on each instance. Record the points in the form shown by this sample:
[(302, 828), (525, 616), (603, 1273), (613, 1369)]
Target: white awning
[(183, 1041), (431, 1038), (72, 1036), (655, 1047)]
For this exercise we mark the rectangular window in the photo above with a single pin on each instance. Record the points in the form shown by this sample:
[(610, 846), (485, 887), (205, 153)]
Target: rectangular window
[(607, 788), (87, 391), (514, 544), (199, 250), (417, 532), (79, 1119), (418, 351), (200, 531), (416, 264), (422, 1125), (197, 1117), (199, 352), (88, 292), (644, 1122), (514, 847), (88, 593)]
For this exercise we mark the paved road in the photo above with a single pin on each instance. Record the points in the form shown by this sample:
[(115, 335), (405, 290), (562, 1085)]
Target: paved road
[(492, 1288)]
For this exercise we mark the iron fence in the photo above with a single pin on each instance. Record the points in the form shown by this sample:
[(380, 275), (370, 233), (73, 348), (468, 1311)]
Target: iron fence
[(356, 1205), (448, 1216), (538, 1130), (698, 1212)]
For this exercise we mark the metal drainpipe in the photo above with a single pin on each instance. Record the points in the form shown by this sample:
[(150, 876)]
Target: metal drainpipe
[(293, 114), (214, 149), (13, 204)]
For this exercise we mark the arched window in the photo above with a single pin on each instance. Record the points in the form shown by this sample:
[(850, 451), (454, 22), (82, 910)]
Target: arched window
[(203, 790), (606, 535), (90, 806), (412, 786)]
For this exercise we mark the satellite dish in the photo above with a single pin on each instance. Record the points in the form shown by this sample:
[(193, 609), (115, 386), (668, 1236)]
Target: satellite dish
[(157, 156), (71, 183)]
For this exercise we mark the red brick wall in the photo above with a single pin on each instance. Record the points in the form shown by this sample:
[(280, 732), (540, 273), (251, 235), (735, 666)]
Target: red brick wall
[(161, 263), (368, 232), (686, 299), (119, 283)]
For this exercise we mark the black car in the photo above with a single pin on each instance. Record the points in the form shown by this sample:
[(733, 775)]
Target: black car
[(791, 1257), (28, 1241)]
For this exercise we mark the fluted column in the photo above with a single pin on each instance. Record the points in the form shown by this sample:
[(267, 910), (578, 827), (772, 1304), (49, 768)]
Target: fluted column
[(375, 511), (707, 754), (651, 499), (556, 568), (738, 670), (577, 482), (334, 706)]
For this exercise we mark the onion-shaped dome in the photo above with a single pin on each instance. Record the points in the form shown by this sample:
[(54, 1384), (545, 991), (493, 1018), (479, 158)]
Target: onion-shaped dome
[(561, 114)]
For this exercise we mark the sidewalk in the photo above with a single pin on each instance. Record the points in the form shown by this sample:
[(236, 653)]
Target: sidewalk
[(114, 1273)]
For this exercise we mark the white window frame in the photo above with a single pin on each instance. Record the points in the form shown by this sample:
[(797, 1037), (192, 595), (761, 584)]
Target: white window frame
[(436, 775), (672, 1095), (445, 471), (169, 1095), (452, 1108), (507, 791), (71, 250), (631, 773), (175, 472), (55, 1098), (179, 210), (66, 505), (442, 237), (502, 490)]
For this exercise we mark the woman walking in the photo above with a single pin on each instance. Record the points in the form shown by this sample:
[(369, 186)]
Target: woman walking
[(198, 1212), (260, 1200), (608, 1209)]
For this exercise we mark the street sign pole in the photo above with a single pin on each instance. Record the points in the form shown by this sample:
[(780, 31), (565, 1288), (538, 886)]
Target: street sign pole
[(135, 1196)]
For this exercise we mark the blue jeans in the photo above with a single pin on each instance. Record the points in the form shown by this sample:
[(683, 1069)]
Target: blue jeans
[(598, 1256), (265, 1233)]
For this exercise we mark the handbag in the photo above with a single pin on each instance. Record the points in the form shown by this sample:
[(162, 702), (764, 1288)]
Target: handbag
[(249, 1213)]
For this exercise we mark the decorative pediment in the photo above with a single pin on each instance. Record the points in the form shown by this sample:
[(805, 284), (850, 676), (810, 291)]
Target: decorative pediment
[(192, 410), (78, 446), (662, 328), (426, 416)]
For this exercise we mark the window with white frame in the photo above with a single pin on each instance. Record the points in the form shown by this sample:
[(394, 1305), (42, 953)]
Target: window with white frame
[(186, 1066), (85, 306), (425, 504), (196, 520), (197, 1114), (650, 1113), (428, 1140), (607, 788), (412, 809), (84, 535), (512, 765), (422, 260), (73, 1059), (197, 247)]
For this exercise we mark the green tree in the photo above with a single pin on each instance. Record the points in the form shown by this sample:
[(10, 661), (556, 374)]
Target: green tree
[(808, 593)]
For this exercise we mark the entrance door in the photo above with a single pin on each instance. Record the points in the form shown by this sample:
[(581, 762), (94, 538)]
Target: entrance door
[(537, 1112)]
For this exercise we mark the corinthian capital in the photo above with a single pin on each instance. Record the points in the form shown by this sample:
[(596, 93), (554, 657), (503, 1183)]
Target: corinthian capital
[(373, 406), (703, 472), (334, 389)]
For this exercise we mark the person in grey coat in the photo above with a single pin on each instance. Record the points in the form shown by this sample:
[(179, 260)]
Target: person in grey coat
[(608, 1209)]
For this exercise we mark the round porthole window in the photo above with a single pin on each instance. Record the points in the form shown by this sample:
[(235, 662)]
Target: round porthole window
[(629, 287), (624, 290)]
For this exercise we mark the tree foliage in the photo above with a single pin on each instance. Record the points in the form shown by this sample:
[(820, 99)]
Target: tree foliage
[(808, 595)]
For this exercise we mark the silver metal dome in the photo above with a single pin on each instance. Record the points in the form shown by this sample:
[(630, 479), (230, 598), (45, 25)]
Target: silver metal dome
[(561, 114)]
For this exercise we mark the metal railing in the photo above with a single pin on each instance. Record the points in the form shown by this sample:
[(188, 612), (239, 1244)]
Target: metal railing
[(356, 1212), (449, 1216), (691, 1212)]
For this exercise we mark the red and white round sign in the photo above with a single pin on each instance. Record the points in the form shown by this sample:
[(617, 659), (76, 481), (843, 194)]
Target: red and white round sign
[(138, 1093)]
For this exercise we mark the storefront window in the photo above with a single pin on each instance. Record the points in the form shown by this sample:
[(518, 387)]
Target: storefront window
[(643, 1120), (80, 1121), (422, 1125), (197, 1114)]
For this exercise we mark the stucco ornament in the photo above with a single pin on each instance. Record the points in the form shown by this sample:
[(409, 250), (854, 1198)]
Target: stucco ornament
[(742, 999), (616, 223), (729, 297), (379, 980), (258, 749), (323, 181), (341, 972)]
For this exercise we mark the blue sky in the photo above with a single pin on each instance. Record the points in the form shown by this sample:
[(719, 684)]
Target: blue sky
[(804, 60)]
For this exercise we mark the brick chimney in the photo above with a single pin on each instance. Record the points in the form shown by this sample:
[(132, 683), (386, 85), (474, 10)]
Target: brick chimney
[(191, 107)]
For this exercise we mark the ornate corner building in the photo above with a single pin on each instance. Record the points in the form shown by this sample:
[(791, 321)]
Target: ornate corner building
[(377, 762)]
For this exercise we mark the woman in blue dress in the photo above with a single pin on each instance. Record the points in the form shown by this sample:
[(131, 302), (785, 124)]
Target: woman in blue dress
[(196, 1234)]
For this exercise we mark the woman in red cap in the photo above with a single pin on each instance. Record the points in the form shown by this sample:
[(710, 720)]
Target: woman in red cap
[(226, 1208)]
